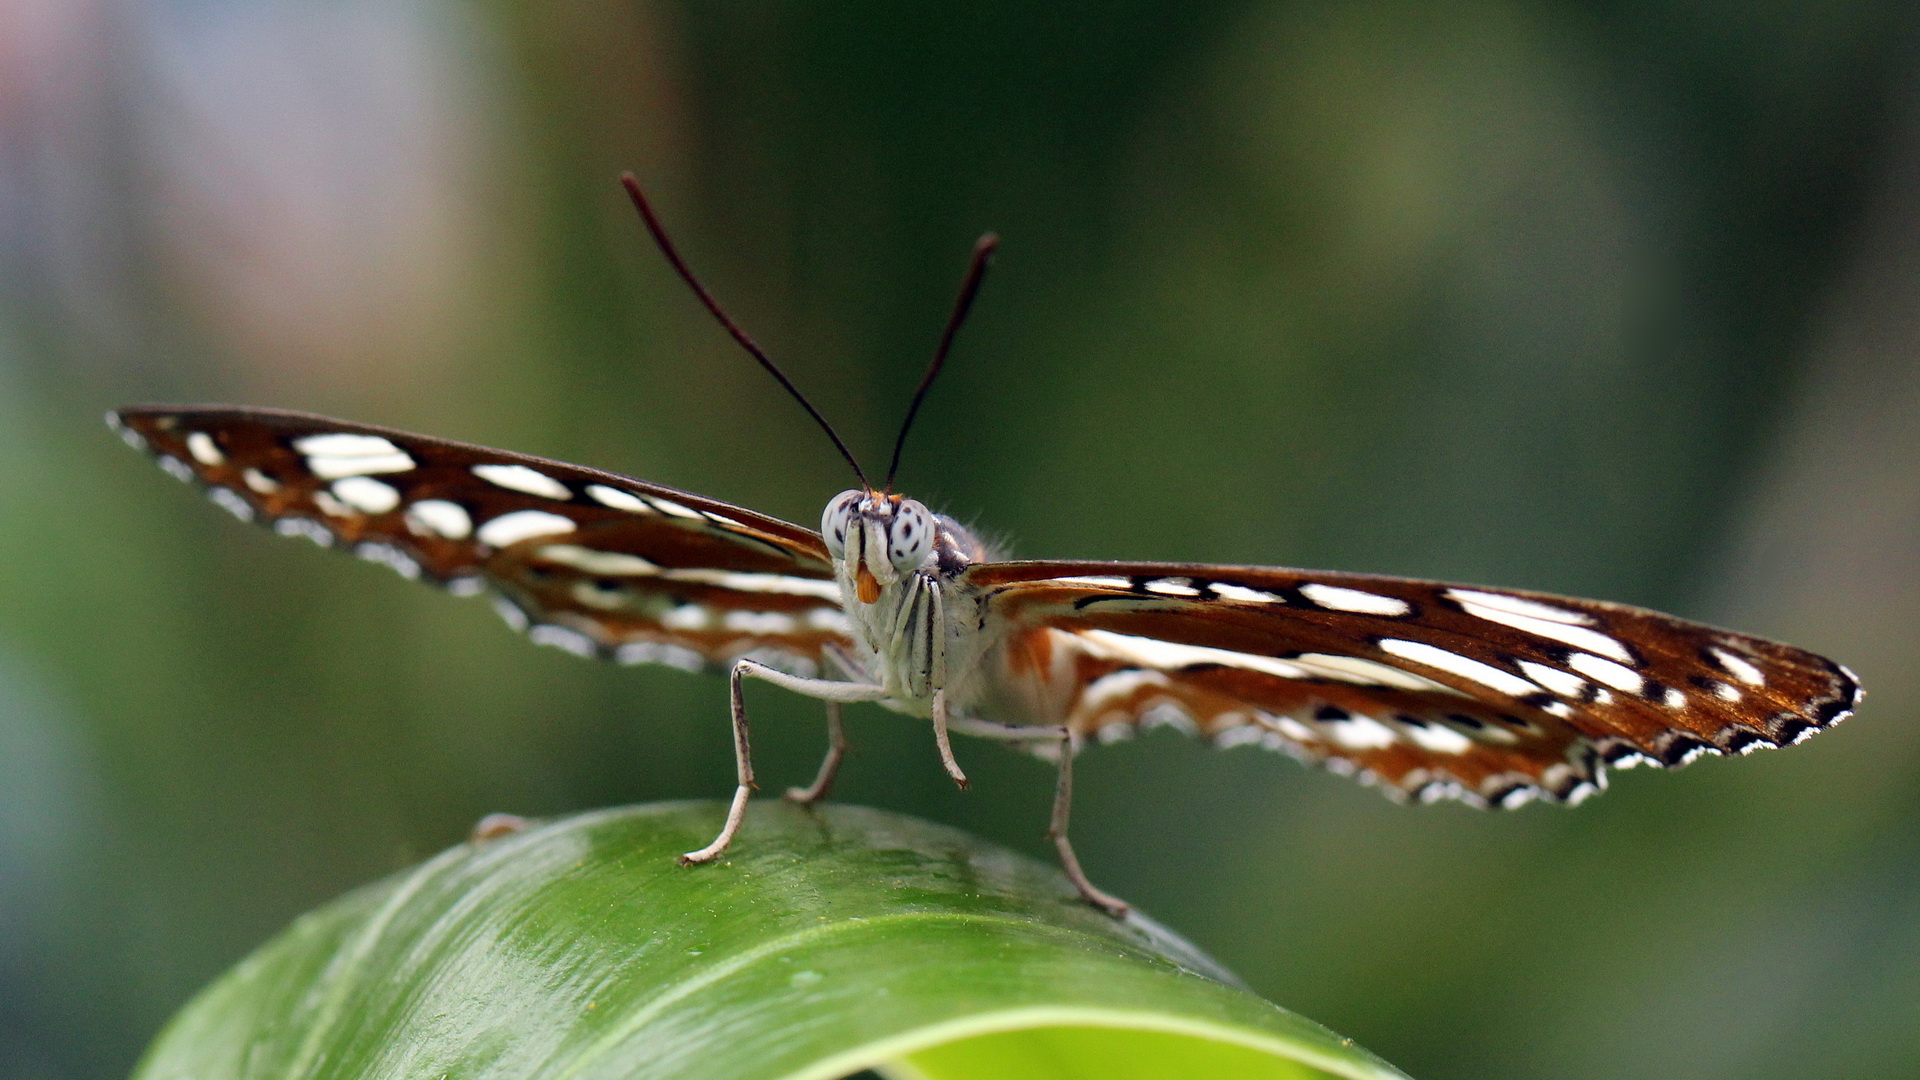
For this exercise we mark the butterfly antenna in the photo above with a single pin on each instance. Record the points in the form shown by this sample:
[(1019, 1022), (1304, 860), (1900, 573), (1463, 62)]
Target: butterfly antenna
[(659, 233), (983, 250)]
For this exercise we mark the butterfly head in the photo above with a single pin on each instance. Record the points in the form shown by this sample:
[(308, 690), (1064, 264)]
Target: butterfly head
[(878, 537)]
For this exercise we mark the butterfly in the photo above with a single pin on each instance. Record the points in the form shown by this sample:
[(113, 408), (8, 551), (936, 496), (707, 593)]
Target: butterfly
[(1424, 689)]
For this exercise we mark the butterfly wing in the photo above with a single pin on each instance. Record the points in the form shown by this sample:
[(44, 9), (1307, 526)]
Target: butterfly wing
[(590, 561), (1429, 690)]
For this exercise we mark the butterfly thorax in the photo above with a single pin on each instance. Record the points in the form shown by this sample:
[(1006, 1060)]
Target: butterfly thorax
[(900, 570)]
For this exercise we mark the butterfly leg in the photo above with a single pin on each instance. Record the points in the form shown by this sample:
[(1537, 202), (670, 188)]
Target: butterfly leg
[(1057, 831), (825, 689), (830, 767), (941, 740)]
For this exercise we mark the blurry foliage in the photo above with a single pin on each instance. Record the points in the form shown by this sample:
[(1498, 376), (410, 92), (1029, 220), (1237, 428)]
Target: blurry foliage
[(1514, 292)]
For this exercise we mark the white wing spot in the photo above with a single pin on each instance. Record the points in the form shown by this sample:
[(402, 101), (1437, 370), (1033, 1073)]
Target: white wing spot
[(1167, 714), (1152, 652), (686, 617), (1727, 691), (1520, 796), (1560, 682), (1244, 594), (616, 499), (759, 622), (337, 455), (760, 583), (1554, 629), (177, 469), (342, 444), (1356, 669), (621, 564), (1464, 666), (1336, 598), (677, 510), (512, 528), (439, 517), (1673, 699), (1515, 605), (1493, 733), (564, 638), (1097, 582), (331, 506), (524, 480), (1360, 733), (510, 612), (365, 494), (659, 652), (1117, 684), (1172, 587), (1581, 792), (1740, 668), (232, 502), (1693, 754), (260, 482), (592, 595), (389, 556), (1618, 676), (1231, 729), (465, 586), (127, 435), (1439, 739), (202, 447), (602, 563), (1557, 708), (832, 620), (1295, 730), (333, 468), (307, 527)]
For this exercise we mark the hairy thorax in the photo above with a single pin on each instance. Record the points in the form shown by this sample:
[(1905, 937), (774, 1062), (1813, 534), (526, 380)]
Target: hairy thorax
[(924, 630)]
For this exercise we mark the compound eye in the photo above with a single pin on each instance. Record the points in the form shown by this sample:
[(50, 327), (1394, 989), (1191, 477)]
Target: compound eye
[(910, 539), (836, 521)]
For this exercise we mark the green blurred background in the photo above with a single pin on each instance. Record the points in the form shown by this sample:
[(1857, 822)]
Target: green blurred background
[(1610, 298)]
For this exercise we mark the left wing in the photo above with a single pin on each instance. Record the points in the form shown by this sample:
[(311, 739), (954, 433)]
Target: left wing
[(589, 561), (1492, 696)]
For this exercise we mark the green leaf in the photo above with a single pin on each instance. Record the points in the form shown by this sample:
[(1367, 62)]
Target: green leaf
[(827, 942)]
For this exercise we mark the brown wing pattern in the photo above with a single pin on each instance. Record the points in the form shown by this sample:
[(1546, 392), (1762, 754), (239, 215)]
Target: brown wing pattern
[(593, 562), (1429, 690)]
